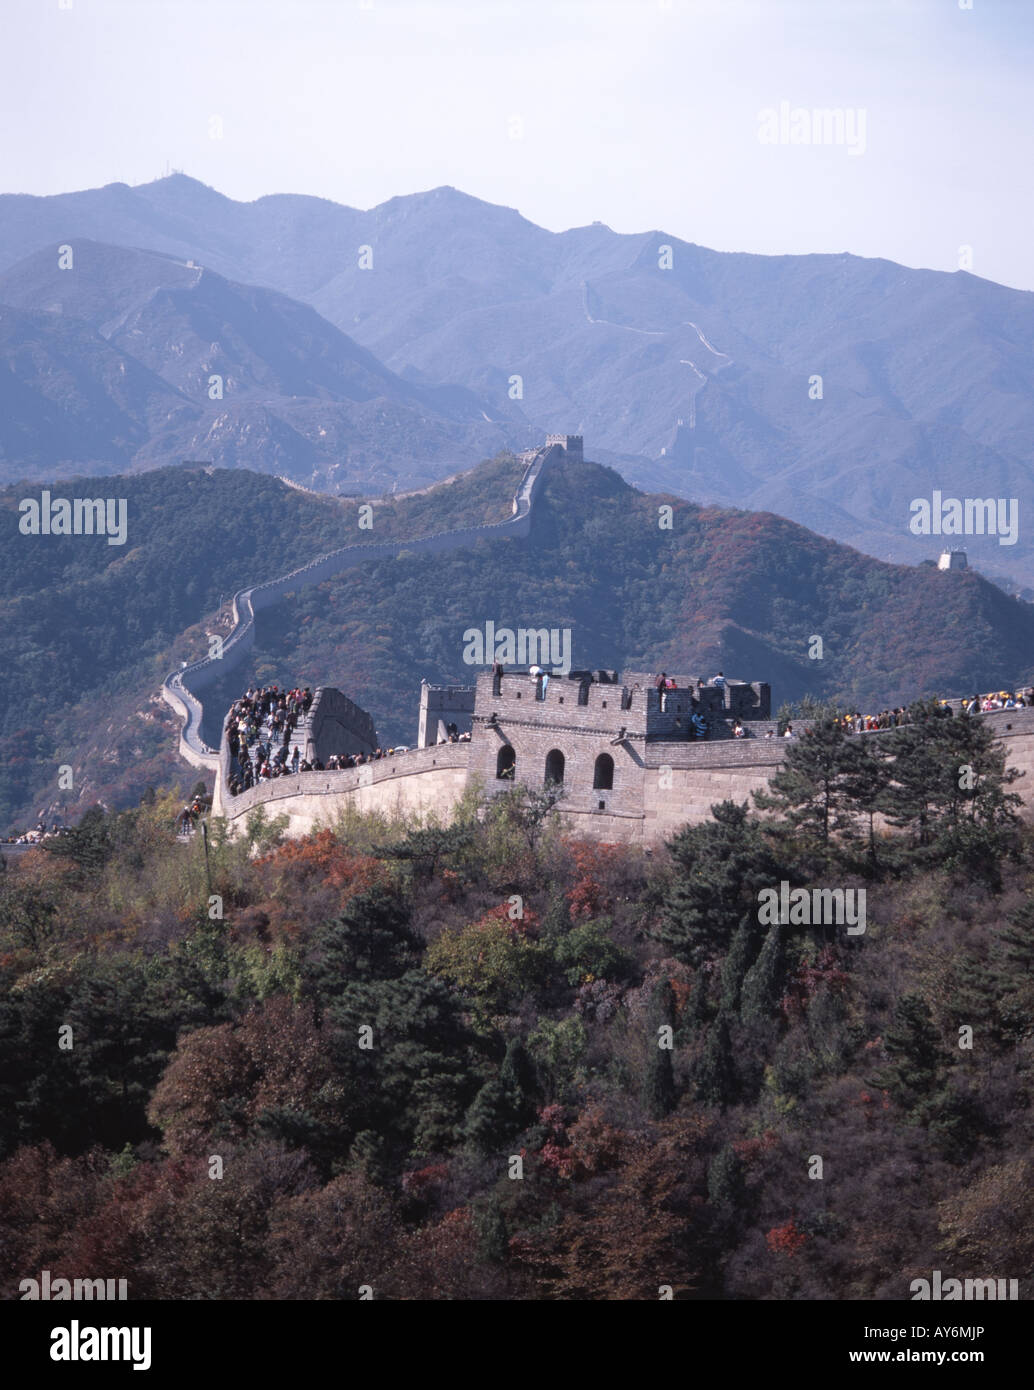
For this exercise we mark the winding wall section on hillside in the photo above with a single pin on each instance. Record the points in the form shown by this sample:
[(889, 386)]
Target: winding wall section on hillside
[(180, 688)]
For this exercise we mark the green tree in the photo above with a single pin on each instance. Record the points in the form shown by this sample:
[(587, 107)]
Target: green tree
[(810, 790), (91, 1085), (370, 940), (914, 1055), (726, 1183), (948, 788), (503, 1106), (718, 869), (1013, 972), (90, 844), (425, 848), (491, 961), (763, 982), (658, 1088), (736, 964), (413, 1075), (588, 949), (715, 1080), (865, 782)]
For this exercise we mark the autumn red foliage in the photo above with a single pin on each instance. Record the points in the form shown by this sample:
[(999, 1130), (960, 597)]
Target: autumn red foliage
[(596, 867), (786, 1240), (309, 880)]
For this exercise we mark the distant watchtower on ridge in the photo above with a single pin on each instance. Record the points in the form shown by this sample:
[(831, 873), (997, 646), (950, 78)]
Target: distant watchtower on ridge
[(570, 443)]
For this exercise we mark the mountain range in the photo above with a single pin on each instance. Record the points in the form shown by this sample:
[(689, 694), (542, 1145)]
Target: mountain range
[(830, 389), (131, 359)]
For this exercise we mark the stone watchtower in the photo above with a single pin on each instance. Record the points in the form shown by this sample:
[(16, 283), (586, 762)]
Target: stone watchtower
[(441, 705), (613, 742), (570, 443)]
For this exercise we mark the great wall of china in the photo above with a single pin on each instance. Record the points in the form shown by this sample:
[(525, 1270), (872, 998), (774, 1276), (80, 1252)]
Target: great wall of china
[(180, 688), (629, 769)]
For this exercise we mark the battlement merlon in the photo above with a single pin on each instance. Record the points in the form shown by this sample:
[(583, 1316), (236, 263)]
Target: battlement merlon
[(606, 700), (743, 700)]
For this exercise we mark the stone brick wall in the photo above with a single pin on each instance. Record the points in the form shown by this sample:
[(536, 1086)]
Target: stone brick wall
[(577, 721), (657, 786), (336, 725), (424, 780), (620, 719)]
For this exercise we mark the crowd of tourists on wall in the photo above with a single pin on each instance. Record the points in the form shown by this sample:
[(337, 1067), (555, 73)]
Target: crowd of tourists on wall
[(856, 722), (975, 704), (261, 731), (258, 732), (262, 725)]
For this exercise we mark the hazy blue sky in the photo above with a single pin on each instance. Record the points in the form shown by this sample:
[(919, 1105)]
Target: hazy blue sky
[(643, 114)]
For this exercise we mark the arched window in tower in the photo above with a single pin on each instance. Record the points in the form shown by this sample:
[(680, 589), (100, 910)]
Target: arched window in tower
[(554, 766), (603, 773), (506, 762)]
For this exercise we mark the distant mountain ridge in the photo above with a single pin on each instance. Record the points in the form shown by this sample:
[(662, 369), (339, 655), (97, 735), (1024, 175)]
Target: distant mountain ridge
[(133, 358), (830, 389)]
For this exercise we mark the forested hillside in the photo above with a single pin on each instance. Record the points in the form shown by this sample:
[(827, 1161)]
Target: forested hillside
[(816, 1130), (91, 629)]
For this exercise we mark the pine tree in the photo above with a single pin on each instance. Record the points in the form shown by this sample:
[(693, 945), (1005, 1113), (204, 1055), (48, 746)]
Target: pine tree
[(1015, 945), (810, 790), (371, 940), (427, 847), (726, 1186), (914, 1052), (736, 964), (948, 787), (658, 1090), (491, 1228), (715, 1081), (865, 781), (719, 867), (698, 1011), (763, 983), (1013, 972), (416, 1081), (90, 844), (502, 1108)]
